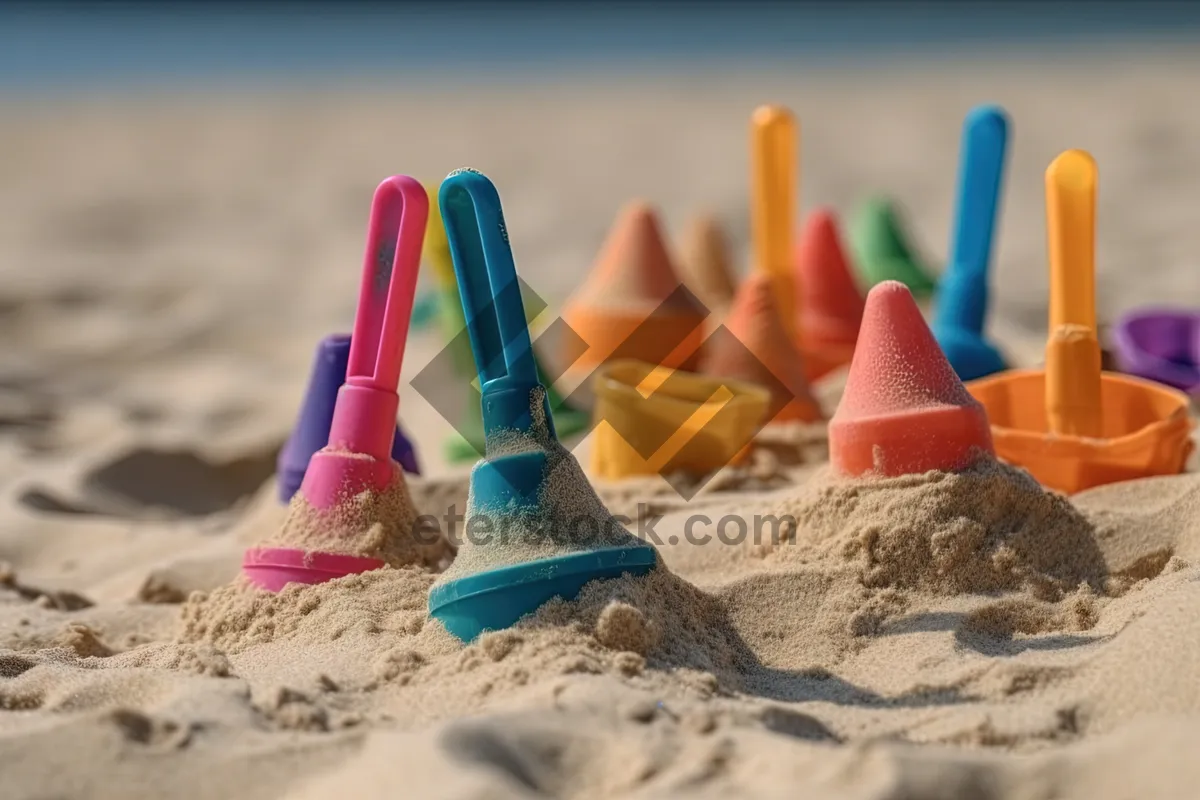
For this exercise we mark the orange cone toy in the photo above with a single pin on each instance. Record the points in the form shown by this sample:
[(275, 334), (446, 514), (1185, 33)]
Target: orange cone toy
[(633, 304)]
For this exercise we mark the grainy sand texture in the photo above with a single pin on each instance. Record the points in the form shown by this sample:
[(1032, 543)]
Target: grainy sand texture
[(168, 263)]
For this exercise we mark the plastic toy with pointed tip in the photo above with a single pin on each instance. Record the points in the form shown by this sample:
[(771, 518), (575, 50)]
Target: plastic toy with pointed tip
[(507, 482), (961, 300), (357, 457), (707, 262), (882, 251), (1160, 344), (633, 303), (904, 411), (316, 416), (755, 348), (829, 301), (1071, 425)]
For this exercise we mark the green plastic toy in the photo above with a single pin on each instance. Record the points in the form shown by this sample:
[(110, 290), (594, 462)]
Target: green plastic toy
[(882, 251)]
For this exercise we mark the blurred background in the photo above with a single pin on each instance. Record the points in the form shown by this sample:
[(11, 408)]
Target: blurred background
[(184, 187)]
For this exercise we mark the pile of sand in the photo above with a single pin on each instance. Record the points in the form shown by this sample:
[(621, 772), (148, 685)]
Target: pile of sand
[(988, 529), (380, 525)]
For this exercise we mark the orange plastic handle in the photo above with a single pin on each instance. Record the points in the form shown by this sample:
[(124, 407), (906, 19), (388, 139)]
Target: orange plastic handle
[(773, 213), (1072, 350)]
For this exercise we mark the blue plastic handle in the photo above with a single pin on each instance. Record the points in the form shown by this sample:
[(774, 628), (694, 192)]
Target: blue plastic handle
[(487, 277), (962, 295), (491, 298)]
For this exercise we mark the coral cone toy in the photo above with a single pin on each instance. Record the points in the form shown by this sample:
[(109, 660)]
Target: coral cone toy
[(316, 416), (830, 304), (904, 411), (358, 455), (708, 264), (466, 442), (960, 305), (514, 402), (882, 251), (774, 178), (754, 348), (1071, 425), (633, 304), (1160, 344)]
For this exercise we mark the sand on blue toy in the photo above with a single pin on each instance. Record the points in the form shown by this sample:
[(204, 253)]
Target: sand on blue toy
[(535, 529)]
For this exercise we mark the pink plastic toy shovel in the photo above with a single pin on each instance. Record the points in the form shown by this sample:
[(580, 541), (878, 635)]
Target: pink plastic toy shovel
[(358, 455)]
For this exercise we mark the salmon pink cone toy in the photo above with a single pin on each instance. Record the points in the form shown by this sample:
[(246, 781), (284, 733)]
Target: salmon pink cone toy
[(830, 304), (904, 411), (755, 348), (358, 457)]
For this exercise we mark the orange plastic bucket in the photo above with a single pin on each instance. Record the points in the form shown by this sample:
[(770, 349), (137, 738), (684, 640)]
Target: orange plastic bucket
[(1145, 430)]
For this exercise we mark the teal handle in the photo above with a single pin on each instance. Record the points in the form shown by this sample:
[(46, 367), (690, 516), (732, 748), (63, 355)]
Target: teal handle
[(491, 298)]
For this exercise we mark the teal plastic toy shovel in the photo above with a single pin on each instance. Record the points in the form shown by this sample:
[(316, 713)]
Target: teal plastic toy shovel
[(514, 404)]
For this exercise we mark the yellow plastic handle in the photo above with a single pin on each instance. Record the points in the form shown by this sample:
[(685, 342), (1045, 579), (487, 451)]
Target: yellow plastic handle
[(773, 213), (1072, 351), (437, 247)]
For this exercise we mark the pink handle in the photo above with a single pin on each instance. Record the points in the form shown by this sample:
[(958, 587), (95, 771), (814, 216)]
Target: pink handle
[(399, 212)]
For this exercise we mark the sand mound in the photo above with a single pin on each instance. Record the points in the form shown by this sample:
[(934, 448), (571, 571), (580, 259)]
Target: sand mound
[(371, 524), (991, 528)]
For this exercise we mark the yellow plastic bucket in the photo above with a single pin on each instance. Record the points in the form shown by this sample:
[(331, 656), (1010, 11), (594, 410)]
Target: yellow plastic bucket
[(653, 419)]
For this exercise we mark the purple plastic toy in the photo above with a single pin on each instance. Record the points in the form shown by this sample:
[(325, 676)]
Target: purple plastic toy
[(316, 415), (1162, 345)]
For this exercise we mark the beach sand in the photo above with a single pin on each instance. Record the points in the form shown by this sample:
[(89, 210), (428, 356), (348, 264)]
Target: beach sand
[(170, 262)]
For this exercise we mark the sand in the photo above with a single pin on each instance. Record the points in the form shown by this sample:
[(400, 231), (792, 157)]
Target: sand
[(169, 266), (369, 524)]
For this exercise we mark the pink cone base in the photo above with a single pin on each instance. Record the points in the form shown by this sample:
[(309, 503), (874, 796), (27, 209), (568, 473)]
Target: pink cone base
[(333, 476), (273, 568)]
